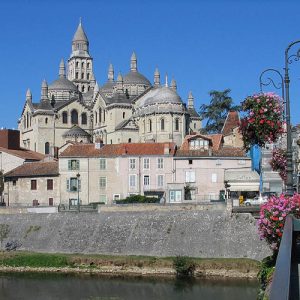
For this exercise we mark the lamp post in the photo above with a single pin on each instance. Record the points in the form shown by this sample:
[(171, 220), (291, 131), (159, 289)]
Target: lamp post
[(288, 59), (78, 203)]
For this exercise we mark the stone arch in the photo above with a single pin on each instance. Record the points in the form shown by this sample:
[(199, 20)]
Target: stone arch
[(74, 116)]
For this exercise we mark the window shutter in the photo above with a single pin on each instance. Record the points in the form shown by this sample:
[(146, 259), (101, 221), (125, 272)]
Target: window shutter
[(69, 165), (68, 184), (77, 164)]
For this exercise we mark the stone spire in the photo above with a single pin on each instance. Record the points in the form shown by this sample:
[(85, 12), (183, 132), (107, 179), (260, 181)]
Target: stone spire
[(44, 93), (80, 41), (190, 100), (133, 63), (173, 84), (96, 89), (110, 75), (156, 77), (28, 95), (62, 69), (120, 84)]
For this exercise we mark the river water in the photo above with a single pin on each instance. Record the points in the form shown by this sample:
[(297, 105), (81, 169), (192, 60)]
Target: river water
[(66, 287)]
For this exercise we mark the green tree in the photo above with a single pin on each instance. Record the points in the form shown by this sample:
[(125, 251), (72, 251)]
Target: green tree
[(216, 111)]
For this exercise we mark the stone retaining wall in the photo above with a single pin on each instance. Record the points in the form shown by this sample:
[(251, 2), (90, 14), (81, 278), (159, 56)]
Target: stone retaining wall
[(160, 233)]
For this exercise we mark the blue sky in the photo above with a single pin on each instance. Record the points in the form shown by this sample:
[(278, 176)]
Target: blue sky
[(204, 45)]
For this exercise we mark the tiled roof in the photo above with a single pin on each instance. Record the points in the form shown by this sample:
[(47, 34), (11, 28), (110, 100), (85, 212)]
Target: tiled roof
[(215, 140), (23, 153), (232, 121), (35, 169), (110, 150)]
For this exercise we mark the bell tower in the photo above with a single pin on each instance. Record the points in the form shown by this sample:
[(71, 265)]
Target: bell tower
[(80, 63)]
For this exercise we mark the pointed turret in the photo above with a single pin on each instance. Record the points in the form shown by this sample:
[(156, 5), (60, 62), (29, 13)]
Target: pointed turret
[(133, 63), (62, 69), (96, 89), (173, 84), (80, 41), (44, 92), (120, 84), (28, 96), (110, 75), (190, 100), (156, 77)]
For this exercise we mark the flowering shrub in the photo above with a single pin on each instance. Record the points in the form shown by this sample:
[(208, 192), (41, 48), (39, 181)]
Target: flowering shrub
[(279, 162), (263, 121), (272, 218)]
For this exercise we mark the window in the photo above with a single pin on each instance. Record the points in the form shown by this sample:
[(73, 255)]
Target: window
[(123, 115), (88, 65), (103, 199), (73, 164), (132, 181), (146, 163), (46, 120), (49, 184), (74, 116), (190, 176), (82, 65), (76, 76), (160, 163), (117, 197), (100, 115), (33, 184), (73, 184), (132, 164), (64, 117), (102, 164), (160, 180), (88, 76), (76, 64), (162, 124), (149, 125), (190, 161), (50, 201), (194, 125), (102, 182), (214, 177), (14, 182), (176, 124), (146, 180), (83, 119), (82, 88), (175, 196), (96, 117), (129, 140), (82, 75), (47, 148)]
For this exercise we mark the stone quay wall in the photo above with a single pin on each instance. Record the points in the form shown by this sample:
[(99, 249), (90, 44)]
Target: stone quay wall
[(207, 234)]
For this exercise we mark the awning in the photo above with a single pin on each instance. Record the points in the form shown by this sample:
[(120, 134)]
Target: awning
[(243, 181)]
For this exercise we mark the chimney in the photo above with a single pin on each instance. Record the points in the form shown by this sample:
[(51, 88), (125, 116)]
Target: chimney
[(10, 139)]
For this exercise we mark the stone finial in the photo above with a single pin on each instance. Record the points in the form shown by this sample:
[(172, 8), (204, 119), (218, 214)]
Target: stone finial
[(133, 63), (190, 100), (110, 75), (28, 95), (166, 84), (62, 69), (44, 92), (173, 84), (156, 77)]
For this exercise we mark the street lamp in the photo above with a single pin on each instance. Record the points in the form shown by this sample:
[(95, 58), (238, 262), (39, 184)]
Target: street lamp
[(78, 204), (288, 59)]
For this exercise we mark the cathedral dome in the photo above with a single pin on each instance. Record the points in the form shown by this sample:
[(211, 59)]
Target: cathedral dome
[(136, 78), (162, 95), (62, 84)]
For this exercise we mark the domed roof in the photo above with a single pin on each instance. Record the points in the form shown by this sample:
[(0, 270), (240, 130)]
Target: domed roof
[(76, 131), (62, 84), (135, 78), (162, 94)]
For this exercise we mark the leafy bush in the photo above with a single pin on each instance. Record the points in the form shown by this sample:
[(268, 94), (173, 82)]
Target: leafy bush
[(184, 266), (95, 204), (273, 215), (138, 199), (263, 121)]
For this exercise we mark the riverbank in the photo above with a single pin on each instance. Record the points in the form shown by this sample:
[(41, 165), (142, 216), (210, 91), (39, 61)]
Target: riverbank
[(124, 265)]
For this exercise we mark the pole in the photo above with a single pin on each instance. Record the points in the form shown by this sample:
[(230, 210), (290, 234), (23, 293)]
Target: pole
[(289, 154), (78, 203)]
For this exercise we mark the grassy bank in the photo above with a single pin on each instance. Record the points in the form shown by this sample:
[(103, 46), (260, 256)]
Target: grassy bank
[(127, 265)]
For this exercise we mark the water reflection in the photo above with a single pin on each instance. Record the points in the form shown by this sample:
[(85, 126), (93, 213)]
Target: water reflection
[(65, 287)]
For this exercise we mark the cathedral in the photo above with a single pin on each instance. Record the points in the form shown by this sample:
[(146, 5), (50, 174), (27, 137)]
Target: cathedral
[(128, 109)]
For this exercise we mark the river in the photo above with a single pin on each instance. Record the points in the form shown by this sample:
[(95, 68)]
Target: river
[(28, 286)]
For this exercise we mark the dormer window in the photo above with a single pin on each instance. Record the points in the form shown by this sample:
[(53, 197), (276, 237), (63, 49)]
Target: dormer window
[(196, 144)]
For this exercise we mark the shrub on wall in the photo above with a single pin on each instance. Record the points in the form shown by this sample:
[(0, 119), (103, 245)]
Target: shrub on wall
[(138, 199)]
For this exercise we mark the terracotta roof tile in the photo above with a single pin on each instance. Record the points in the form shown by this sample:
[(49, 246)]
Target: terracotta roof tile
[(232, 121), (215, 140), (24, 153), (111, 150), (34, 169)]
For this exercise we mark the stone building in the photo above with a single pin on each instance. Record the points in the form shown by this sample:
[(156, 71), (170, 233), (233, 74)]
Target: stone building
[(122, 110)]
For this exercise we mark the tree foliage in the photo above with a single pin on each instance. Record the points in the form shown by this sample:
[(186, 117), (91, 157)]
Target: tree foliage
[(216, 111)]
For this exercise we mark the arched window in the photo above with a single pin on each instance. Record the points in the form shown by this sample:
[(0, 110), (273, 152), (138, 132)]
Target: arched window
[(82, 75), (150, 125), (88, 76), (96, 115), (162, 124), (88, 88), (24, 122), (74, 116), (129, 140), (76, 76), (27, 124), (82, 89), (88, 65), (83, 119), (104, 115), (46, 120), (82, 65), (76, 64), (65, 117), (176, 124), (47, 148), (100, 115), (123, 114)]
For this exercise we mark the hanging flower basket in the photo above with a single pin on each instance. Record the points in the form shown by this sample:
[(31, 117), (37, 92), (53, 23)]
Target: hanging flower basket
[(279, 162), (263, 120)]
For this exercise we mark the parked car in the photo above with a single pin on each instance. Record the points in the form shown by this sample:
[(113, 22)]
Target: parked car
[(258, 200)]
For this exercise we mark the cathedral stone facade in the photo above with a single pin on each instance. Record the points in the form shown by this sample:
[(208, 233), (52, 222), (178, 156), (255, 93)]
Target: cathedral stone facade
[(123, 110)]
